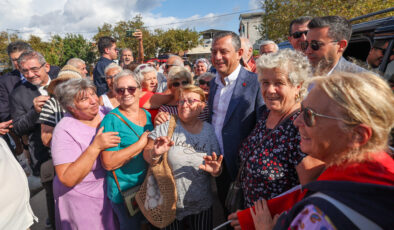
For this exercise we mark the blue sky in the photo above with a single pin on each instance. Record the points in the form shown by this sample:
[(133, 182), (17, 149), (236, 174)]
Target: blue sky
[(44, 18)]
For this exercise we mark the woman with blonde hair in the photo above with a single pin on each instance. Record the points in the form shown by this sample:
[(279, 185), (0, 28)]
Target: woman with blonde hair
[(345, 122)]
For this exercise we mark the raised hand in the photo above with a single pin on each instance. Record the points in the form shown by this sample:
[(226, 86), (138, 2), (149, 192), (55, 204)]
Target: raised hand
[(212, 164), (161, 145), (103, 141)]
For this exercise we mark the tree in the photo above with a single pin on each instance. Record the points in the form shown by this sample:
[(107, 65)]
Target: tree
[(279, 13)]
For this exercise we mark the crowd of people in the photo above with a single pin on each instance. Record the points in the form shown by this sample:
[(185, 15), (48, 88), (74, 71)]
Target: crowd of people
[(303, 131)]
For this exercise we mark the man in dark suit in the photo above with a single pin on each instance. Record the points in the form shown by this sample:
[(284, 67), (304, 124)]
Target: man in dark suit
[(26, 102), (234, 104), (109, 52), (10, 80)]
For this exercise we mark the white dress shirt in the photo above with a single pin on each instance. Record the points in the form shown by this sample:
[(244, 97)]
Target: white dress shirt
[(221, 102)]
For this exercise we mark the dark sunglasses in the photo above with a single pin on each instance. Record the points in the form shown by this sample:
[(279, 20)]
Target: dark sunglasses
[(298, 34), (315, 45), (121, 91), (202, 82), (177, 84), (309, 116)]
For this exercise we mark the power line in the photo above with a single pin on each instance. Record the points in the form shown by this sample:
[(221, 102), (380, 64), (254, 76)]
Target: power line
[(168, 24)]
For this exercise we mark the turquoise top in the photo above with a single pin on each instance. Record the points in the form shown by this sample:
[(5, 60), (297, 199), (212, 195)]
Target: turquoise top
[(133, 172)]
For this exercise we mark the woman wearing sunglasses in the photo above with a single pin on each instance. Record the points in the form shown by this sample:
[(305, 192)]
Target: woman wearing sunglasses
[(345, 122), (192, 143), (125, 160), (274, 161), (177, 78)]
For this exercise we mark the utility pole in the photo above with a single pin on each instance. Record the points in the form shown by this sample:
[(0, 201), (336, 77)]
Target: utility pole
[(8, 34)]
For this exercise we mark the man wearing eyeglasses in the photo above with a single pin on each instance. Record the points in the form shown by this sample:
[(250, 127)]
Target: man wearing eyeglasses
[(26, 102), (298, 30), (325, 44), (375, 55)]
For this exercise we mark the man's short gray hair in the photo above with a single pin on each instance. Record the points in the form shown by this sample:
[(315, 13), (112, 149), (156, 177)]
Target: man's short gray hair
[(31, 54), (126, 73), (339, 27), (68, 91), (268, 42), (293, 62), (143, 69), (206, 75), (126, 49), (112, 66), (75, 61), (235, 40)]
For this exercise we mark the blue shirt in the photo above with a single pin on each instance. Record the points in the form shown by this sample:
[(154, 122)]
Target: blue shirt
[(99, 76), (133, 172)]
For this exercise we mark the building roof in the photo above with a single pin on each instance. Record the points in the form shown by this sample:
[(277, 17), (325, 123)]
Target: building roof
[(250, 15)]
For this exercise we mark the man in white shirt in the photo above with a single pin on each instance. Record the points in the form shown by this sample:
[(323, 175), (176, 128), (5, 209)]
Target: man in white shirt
[(234, 104)]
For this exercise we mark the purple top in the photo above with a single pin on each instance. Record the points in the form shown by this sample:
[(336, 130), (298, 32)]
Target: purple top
[(84, 206)]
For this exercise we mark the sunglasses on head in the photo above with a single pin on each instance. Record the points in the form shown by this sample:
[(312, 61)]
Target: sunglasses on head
[(203, 82), (177, 84), (309, 116), (298, 34), (122, 91), (315, 45)]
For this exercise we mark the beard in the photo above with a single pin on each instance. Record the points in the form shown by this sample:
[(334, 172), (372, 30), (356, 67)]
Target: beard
[(324, 66)]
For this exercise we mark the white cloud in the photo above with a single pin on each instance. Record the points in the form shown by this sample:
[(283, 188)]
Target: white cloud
[(254, 4), (44, 18)]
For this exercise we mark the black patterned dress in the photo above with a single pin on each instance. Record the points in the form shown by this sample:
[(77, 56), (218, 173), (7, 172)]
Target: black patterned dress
[(270, 168)]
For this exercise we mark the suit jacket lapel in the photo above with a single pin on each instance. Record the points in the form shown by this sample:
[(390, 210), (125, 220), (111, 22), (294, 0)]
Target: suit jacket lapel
[(212, 92)]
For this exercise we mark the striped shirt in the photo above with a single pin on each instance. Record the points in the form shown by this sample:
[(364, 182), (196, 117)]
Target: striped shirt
[(51, 112)]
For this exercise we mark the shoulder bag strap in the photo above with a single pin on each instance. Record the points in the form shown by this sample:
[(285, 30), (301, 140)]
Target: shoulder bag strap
[(281, 121), (113, 171), (120, 118)]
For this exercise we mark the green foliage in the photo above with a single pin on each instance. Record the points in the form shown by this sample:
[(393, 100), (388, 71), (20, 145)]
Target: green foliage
[(279, 13), (58, 50)]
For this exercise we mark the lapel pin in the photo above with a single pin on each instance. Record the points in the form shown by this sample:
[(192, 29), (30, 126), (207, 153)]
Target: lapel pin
[(244, 84)]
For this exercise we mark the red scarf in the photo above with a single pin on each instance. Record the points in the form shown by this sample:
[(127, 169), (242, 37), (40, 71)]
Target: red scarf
[(380, 170)]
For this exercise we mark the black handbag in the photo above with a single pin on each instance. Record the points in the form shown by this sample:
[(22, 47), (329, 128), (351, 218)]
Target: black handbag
[(234, 198)]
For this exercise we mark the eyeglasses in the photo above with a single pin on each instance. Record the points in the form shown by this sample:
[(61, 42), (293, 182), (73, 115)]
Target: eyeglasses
[(177, 84), (315, 45), (202, 82), (298, 34), (141, 67), (34, 69), (110, 76), (188, 101), (122, 91), (309, 116)]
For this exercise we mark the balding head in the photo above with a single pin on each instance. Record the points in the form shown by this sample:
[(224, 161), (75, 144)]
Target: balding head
[(173, 60), (79, 64)]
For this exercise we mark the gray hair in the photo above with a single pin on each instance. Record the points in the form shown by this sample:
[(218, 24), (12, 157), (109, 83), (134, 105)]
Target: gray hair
[(143, 69), (235, 40), (247, 43), (268, 42), (112, 65), (75, 61), (206, 75), (178, 72), (299, 21), (126, 49), (203, 60), (67, 91), (178, 61), (293, 62), (28, 55), (126, 73), (339, 27)]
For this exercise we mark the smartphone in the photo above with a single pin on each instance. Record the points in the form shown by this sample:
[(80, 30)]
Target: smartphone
[(129, 33)]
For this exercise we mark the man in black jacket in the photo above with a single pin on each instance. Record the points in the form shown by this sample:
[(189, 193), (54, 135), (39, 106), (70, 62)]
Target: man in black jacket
[(26, 102)]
